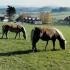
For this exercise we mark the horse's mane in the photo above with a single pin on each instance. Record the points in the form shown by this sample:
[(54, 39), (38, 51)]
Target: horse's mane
[(61, 35)]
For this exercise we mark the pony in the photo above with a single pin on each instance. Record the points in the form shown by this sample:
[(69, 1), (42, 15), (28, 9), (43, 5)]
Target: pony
[(13, 28), (47, 34)]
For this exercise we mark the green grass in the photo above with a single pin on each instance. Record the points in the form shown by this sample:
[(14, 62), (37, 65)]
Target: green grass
[(15, 54), (60, 15)]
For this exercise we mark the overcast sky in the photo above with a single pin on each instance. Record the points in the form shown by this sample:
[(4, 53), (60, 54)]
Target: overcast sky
[(36, 3)]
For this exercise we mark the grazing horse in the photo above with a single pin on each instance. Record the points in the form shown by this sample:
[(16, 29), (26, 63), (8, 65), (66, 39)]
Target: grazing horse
[(47, 34), (13, 28)]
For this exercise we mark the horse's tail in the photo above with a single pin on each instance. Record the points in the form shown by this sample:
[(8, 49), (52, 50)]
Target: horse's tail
[(32, 34), (3, 28), (61, 39), (34, 38), (35, 34)]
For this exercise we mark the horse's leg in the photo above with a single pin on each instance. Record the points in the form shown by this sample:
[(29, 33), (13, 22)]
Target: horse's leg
[(3, 34), (53, 44), (16, 35), (34, 45), (19, 34), (46, 45), (6, 34)]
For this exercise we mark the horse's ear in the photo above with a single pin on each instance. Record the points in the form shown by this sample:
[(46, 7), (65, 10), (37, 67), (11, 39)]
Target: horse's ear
[(37, 28)]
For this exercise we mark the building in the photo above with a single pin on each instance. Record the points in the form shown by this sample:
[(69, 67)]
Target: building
[(29, 19)]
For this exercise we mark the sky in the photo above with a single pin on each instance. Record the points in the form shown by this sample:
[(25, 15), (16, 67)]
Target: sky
[(36, 3)]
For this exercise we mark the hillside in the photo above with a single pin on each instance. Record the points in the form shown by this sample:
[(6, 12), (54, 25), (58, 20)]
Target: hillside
[(36, 9)]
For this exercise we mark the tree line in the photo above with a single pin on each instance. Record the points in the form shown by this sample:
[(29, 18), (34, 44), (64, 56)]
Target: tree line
[(44, 16)]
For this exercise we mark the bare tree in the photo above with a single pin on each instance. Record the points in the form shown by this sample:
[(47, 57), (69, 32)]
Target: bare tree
[(46, 17)]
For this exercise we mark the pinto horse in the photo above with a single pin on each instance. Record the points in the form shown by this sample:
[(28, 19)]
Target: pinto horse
[(13, 28), (47, 34)]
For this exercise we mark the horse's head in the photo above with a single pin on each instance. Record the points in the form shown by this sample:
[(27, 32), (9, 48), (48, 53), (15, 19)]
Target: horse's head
[(62, 44), (61, 39), (24, 32)]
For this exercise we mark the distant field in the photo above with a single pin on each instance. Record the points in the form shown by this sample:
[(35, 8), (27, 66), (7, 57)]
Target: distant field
[(60, 15), (57, 15), (15, 54)]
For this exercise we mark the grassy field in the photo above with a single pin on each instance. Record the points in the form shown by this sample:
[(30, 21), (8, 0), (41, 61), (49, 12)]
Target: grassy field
[(15, 54), (61, 15)]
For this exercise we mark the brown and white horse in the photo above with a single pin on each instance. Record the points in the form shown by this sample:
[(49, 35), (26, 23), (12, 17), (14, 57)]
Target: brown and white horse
[(13, 28), (47, 34)]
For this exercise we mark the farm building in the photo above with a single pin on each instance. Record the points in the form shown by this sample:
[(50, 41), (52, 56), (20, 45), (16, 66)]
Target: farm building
[(2, 18), (29, 19)]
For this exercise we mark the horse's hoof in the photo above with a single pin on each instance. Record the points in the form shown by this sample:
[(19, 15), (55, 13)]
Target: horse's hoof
[(1, 38), (53, 50), (45, 49), (34, 50)]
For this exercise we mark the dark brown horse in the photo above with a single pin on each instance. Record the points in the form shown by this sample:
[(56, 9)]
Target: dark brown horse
[(13, 28), (47, 34)]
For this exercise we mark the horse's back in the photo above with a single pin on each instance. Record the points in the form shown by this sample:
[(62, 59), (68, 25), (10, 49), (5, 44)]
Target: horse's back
[(50, 32), (11, 27)]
